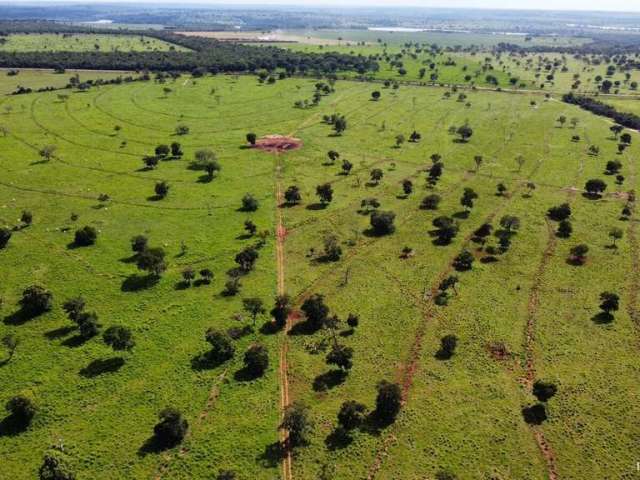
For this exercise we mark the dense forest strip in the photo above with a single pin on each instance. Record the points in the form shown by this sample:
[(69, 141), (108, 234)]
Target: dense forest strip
[(206, 55), (629, 120)]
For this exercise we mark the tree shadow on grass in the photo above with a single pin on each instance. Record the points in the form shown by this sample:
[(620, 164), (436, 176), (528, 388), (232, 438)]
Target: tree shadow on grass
[(20, 317), (286, 204), (204, 361), (602, 318), (102, 366), (245, 375), (316, 206), (443, 355), (591, 196), (182, 285), (302, 328), (59, 332), (328, 380), (75, 341), (136, 282), (75, 245), (272, 455), (338, 439), (461, 215), (270, 328), (131, 259), (152, 446), (489, 259), (205, 178), (374, 424), (11, 426)]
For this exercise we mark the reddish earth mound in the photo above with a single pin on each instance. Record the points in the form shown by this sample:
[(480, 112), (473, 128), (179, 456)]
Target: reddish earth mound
[(278, 143)]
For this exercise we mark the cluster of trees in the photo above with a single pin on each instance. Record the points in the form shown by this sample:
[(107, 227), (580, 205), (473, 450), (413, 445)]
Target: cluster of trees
[(322, 89), (337, 121), (163, 152), (149, 259), (537, 413)]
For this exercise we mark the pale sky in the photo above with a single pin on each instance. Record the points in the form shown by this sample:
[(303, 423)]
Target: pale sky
[(596, 5), (610, 5)]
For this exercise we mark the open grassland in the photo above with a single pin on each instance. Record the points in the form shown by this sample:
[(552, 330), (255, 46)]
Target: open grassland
[(36, 79), (83, 42), (631, 105), (462, 414)]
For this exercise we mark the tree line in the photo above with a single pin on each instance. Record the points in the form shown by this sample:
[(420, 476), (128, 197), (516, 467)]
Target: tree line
[(629, 120)]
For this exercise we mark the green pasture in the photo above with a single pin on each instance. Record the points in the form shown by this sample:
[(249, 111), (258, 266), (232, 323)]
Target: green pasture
[(82, 42), (462, 415), (36, 79)]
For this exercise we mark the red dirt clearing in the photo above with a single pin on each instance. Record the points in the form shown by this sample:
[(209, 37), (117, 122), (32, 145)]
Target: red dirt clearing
[(277, 143)]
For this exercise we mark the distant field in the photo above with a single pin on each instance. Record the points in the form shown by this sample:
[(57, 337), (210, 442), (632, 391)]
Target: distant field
[(353, 37), (444, 39), (35, 79), (275, 36), (80, 42), (463, 414)]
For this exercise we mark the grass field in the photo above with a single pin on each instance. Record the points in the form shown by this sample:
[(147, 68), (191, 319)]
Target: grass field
[(36, 79), (463, 414), (81, 42)]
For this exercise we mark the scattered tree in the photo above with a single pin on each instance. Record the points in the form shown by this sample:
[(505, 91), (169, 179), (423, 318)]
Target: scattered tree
[(388, 401), (254, 306), (36, 300), (5, 236), (119, 338), (22, 409), (316, 311), (86, 236), (256, 359), (616, 234), (351, 414), (161, 189), (595, 187), (382, 222), (171, 429), (152, 260), (325, 193), (221, 347), (543, 391), (448, 345), (249, 203), (292, 195), (297, 423), (578, 254)]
